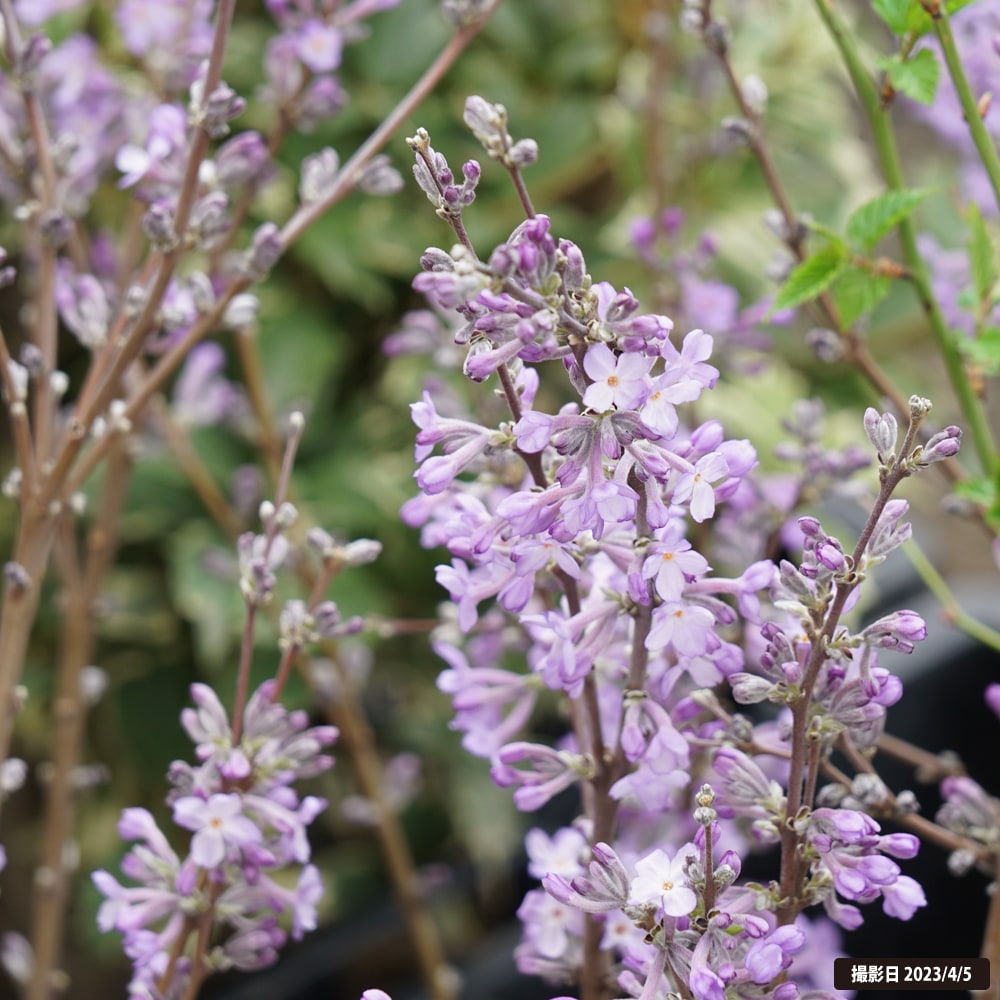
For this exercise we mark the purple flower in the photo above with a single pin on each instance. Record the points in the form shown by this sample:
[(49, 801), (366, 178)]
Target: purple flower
[(202, 397), (768, 956), (688, 628), (481, 696), (550, 926), (175, 35), (319, 45), (559, 854), (83, 305), (903, 898), (688, 364), (695, 487), (711, 305), (548, 773), (160, 158), (606, 890), (34, 12), (671, 562), (900, 631), (660, 881), (618, 383), (992, 698), (219, 826)]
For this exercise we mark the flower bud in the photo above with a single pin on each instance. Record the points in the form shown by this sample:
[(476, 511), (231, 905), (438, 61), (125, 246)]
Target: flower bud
[(882, 431)]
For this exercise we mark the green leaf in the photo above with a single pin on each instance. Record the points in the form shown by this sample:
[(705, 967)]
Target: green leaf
[(869, 223), (895, 13), (919, 22), (857, 292), (982, 256), (978, 489), (811, 277), (917, 77), (827, 233), (985, 493), (984, 351)]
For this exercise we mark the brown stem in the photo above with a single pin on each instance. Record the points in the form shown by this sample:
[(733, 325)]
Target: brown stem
[(927, 830), (522, 191), (20, 425), (44, 331), (69, 713), (929, 767), (31, 551), (190, 463), (198, 969), (44, 327), (260, 402)]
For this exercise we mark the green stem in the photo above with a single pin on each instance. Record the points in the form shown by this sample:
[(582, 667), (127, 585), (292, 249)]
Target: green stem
[(888, 155), (984, 144), (938, 586)]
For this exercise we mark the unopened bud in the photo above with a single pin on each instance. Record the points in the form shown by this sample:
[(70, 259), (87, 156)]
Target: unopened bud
[(919, 408), (158, 225), (825, 344), (265, 249), (380, 178), (59, 383), (882, 431), (754, 92)]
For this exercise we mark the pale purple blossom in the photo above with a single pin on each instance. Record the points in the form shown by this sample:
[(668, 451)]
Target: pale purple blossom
[(319, 45), (219, 827), (660, 880), (618, 383)]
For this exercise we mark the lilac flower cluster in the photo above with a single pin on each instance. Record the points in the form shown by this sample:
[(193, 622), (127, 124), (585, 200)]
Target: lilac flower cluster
[(247, 823), (218, 906), (581, 525)]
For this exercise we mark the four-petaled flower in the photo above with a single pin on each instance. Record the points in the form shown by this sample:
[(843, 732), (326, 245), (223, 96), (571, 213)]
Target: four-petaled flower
[(618, 382), (219, 825), (660, 880)]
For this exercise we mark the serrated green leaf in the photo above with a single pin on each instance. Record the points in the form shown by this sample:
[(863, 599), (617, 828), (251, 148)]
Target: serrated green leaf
[(869, 223), (917, 77), (979, 490), (827, 233), (813, 276), (895, 13), (984, 351), (982, 256), (985, 493), (857, 292)]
